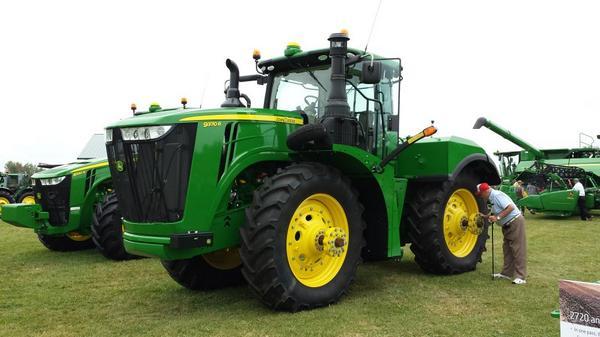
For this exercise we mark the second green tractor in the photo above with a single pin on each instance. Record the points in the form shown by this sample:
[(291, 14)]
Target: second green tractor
[(73, 206)]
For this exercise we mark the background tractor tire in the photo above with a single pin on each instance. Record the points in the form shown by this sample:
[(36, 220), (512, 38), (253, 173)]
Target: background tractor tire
[(6, 198), (266, 236), (425, 214), (202, 273), (107, 229), (63, 243), (27, 198)]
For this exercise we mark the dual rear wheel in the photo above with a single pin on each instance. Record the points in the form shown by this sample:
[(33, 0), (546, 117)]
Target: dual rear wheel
[(446, 231)]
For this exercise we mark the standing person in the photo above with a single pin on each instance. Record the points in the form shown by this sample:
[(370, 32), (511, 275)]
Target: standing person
[(507, 215), (531, 190), (520, 191), (583, 212)]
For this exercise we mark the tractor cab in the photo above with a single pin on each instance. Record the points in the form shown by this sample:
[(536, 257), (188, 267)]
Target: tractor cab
[(302, 83)]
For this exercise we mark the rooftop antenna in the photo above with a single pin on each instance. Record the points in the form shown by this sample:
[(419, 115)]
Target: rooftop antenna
[(204, 89), (372, 26)]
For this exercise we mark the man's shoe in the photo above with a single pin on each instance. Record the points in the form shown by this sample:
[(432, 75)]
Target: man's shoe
[(499, 275), (519, 281)]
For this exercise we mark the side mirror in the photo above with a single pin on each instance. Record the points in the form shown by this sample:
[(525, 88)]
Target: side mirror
[(371, 72), (393, 121)]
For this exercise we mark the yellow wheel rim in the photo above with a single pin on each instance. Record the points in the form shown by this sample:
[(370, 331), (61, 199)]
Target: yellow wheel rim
[(76, 236), (461, 209), (224, 259), (29, 200), (317, 240), (4, 201)]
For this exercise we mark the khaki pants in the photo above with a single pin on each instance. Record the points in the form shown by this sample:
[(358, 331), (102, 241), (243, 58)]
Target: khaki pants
[(515, 249)]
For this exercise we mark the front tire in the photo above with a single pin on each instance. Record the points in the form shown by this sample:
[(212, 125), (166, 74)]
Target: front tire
[(107, 229), (27, 198), (209, 271), (66, 243), (446, 234), (303, 239)]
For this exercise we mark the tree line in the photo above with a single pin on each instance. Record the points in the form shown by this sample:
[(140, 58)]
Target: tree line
[(18, 167)]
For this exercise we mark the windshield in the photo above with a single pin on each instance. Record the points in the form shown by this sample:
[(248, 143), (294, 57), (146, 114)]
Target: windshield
[(308, 89)]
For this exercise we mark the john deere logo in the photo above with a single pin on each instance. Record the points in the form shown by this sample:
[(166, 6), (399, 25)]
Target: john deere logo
[(119, 166)]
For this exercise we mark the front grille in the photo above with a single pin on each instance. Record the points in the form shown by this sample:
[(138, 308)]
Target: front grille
[(151, 177), (54, 199)]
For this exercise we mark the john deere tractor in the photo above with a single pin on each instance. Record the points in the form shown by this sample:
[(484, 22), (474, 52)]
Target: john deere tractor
[(75, 206), (291, 196), (15, 187)]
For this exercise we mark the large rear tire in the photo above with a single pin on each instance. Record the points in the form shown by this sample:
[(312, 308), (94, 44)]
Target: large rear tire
[(206, 272), (6, 198), (107, 229), (445, 233), (66, 243), (303, 239)]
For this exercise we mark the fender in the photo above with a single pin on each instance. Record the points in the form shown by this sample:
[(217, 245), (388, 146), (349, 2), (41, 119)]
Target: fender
[(6, 190), (483, 164), (239, 165), (87, 207)]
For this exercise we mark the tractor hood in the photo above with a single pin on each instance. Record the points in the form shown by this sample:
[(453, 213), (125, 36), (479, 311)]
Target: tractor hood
[(175, 116), (71, 168)]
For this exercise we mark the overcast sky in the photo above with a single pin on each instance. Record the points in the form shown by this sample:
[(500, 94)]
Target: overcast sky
[(68, 68)]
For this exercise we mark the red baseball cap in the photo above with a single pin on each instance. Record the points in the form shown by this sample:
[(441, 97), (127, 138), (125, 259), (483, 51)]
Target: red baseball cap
[(482, 187)]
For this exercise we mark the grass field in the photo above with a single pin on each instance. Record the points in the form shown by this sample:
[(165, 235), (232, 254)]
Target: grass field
[(44, 293)]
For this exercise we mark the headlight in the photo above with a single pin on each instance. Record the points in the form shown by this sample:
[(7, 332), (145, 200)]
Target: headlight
[(52, 181), (145, 132), (108, 134)]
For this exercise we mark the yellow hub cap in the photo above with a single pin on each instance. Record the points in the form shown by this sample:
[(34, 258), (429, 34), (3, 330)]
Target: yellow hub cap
[(3, 201), (224, 259), (29, 200), (76, 236), (317, 240), (460, 223)]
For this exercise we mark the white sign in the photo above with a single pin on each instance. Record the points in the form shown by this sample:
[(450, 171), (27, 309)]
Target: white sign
[(579, 309)]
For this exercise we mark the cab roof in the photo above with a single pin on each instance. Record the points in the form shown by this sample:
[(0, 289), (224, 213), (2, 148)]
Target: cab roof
[(305, 59)]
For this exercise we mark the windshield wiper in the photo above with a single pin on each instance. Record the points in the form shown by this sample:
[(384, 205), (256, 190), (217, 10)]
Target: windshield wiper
[(316, 80)]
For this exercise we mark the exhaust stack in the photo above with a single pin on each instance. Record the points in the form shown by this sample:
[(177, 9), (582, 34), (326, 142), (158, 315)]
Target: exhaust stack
[(340, 124), (232, 94)]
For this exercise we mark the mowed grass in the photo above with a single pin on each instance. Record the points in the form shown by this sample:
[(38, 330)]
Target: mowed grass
[(44, 293)]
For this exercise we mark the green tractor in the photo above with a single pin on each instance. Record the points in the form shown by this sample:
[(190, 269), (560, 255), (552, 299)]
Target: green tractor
[(292, 196), (75, 206), (15, 187), (551, 173)]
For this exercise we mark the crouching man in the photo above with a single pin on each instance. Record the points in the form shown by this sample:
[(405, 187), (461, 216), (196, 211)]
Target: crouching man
[(507, 215)]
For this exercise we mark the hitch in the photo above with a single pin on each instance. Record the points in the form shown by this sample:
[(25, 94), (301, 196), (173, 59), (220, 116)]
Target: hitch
[(428, 131)]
